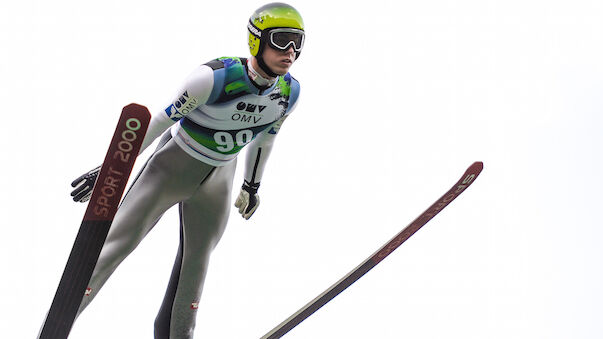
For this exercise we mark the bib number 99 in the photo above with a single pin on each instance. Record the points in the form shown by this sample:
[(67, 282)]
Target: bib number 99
[(227, 143)]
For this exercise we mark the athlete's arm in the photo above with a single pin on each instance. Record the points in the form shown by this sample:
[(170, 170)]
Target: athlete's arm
[(259, 151), (257, 156), (195, 91)]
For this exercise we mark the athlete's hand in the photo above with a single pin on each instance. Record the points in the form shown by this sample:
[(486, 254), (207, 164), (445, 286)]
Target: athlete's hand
[(248, 200), (84, 185)]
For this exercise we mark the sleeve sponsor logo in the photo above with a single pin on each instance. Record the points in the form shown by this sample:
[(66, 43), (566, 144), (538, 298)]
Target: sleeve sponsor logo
[(181, 107), (276, 127)]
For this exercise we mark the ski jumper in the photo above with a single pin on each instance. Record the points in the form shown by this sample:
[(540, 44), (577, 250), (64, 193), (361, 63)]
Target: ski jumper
[(217, 112)]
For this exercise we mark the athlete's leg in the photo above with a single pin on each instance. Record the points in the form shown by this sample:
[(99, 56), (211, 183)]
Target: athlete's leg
[(169, 176), (203, 219)]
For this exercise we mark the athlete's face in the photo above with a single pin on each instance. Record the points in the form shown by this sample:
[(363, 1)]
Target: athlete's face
[(279, 61)]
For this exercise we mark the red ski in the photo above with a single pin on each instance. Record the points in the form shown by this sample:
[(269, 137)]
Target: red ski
[(106, 195), (467, 179)]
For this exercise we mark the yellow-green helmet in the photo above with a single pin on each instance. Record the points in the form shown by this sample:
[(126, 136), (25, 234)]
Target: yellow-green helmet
[(273, 24)]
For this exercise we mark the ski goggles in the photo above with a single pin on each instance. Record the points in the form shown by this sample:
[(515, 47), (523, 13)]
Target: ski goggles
[(282, 38)]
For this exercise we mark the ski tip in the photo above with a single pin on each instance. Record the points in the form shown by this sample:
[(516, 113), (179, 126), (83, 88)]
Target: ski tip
[(476, 167), (138, 109), (134, 105)]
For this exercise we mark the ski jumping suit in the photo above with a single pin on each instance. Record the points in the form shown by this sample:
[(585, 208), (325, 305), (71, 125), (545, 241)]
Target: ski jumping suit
[(219, 110)]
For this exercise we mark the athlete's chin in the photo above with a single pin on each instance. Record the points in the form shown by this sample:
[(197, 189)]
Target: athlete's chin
[(281, 69)]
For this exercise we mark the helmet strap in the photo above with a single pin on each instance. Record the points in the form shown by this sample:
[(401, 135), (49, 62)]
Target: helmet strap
[(257, 78), (263, 65)]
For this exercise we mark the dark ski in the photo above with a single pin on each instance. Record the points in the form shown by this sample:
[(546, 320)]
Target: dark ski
[(105, 199), (467, 179)]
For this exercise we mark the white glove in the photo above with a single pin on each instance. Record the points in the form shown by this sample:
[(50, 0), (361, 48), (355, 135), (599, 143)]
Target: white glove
[(248, 200)]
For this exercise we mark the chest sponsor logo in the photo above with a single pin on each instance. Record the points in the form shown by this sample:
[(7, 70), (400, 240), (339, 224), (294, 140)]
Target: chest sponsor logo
[(246, 118), (251, 108)]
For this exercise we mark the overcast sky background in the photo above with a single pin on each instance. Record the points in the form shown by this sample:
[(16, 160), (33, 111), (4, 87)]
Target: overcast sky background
[(398, 99)]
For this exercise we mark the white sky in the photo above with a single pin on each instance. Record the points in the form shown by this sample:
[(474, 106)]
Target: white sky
[(398, 98)]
